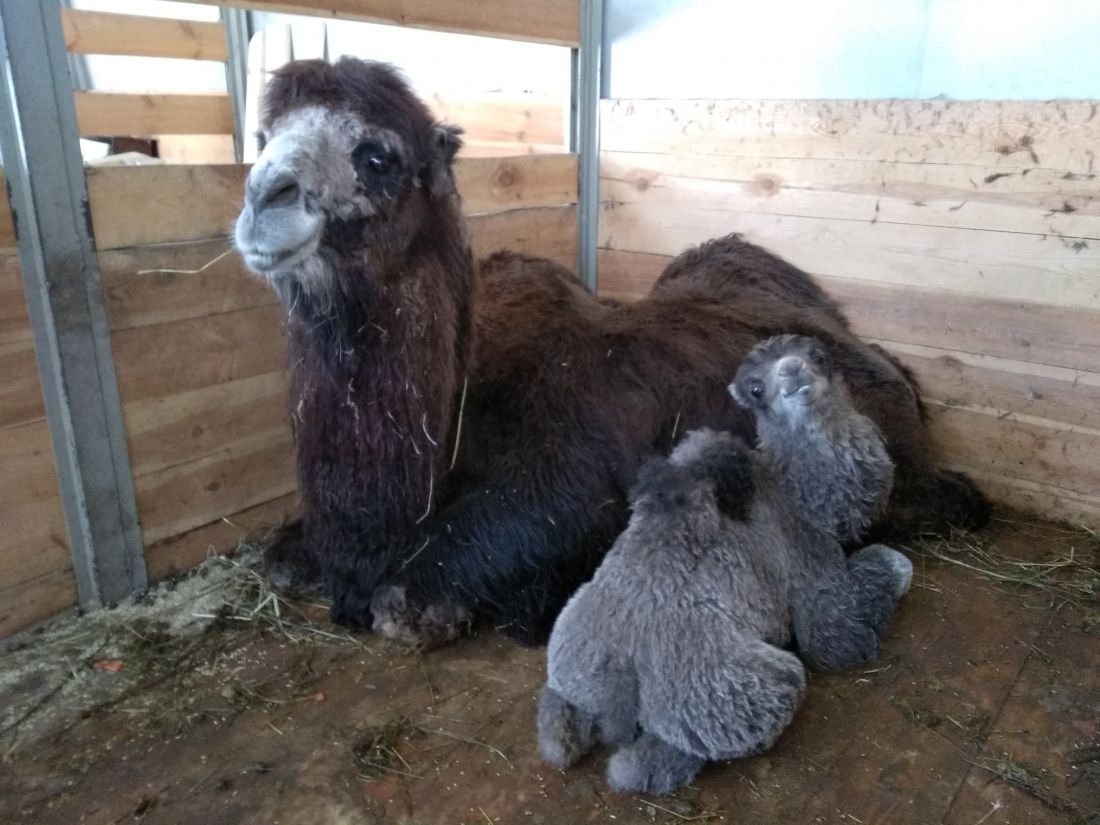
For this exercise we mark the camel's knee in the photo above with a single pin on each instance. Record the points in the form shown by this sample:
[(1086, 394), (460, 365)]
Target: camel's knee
[(739, 710), (292, 564), (651, 765), (772, 684), (566, 732), (837, 634), (878, 562)]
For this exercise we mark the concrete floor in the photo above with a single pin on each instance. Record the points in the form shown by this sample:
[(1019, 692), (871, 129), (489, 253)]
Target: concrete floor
[(982, 710)]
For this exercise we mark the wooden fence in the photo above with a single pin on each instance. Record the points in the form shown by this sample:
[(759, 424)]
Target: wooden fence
[(964, 237)]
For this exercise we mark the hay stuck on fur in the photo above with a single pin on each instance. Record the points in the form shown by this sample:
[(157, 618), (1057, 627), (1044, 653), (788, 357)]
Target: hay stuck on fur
[(1069, 576)]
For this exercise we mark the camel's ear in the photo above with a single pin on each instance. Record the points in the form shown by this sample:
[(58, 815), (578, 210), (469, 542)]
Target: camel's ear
[(446, 141)]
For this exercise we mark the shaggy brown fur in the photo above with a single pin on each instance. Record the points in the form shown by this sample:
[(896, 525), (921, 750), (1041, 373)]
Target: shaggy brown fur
[(570, 395), (566, 395), (375, 370)]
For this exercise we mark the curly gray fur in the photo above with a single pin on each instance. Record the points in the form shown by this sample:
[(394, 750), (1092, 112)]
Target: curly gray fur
[(673, 652)]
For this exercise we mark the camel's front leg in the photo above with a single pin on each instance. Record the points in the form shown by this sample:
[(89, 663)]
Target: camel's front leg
[(500, 554), (292, 563), (841, 616)]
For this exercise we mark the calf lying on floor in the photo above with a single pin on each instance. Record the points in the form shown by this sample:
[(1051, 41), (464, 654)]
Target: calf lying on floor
[(673, 653)]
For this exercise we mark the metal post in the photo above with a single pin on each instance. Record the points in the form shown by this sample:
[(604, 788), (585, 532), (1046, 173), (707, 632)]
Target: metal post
[(585, 137), (49, 203), (237, 35)]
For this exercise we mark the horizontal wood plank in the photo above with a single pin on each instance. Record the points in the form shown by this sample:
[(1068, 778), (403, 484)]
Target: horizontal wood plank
[(181, 498), (1048, 335), (159, 284), (1011, 390), (161, 360), (142, 115), (142, 205), (34, 541), (196, 148), (178, 553), (97, 32), (550, 232), (485, 149), (36, 577), (1041, 333), (1072, 506), (1036, 452), (27, 603), (20, 389), (933, 195), (170, 430), (1010, 266), (1009, 135), (139, 205), (502, 183), (541, 21), (506, 119)]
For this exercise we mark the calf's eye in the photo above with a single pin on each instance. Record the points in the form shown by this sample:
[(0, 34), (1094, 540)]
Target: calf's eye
[(378, 163), (756, 388)]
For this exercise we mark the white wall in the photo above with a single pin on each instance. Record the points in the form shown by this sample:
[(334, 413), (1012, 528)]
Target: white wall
[(961, 49)]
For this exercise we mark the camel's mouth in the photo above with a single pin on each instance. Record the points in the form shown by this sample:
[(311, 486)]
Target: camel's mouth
[(277, 239), (269, 262), (798, 385)]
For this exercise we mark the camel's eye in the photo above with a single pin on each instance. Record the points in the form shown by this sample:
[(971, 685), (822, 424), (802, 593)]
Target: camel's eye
[(818, 356), (372, 158), (756, 388)]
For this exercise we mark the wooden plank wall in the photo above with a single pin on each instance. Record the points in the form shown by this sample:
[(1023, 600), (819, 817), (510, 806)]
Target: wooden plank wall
[(963, 236), (36, 575), (188, 127), (555, 22), (495, 123), (200, 362)]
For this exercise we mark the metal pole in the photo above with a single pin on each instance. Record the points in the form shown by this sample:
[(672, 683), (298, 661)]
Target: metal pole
[(49, 203), (585, 137), (237, 35)]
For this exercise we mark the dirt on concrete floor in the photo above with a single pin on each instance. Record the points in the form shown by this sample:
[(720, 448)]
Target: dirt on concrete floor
[(212, 700)]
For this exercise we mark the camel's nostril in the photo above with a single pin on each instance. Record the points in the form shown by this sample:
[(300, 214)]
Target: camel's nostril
[(791, 365), (283, 193)]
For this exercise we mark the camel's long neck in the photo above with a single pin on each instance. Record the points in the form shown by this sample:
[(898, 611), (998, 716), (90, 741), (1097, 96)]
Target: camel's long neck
[(834, 466), (375, 381)]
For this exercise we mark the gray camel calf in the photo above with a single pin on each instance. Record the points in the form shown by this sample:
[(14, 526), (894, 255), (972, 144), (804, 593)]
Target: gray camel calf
[(673, 654)]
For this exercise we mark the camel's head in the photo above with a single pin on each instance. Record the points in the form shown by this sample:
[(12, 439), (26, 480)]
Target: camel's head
[(349, 155), (784, 377)]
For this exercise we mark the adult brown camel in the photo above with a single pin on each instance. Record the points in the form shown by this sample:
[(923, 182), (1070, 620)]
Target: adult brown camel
[(466, 438)]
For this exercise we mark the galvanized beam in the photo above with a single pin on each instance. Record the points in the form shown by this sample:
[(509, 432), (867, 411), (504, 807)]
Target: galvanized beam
[(49, 202), (585, 137), (238, 32)]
